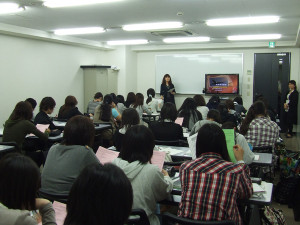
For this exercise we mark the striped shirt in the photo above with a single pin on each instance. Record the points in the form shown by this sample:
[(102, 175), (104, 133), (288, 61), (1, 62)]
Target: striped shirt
[(210, 188)]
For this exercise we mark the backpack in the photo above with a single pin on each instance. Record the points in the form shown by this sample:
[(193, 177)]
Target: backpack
[(272, 216)]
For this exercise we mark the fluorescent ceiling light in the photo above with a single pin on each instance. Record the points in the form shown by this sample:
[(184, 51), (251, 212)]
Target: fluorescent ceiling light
[(254, 37), (153, 26), (188, 39), (65, 3), (10, 8), (86, 30), (128, 42), (243, 20)]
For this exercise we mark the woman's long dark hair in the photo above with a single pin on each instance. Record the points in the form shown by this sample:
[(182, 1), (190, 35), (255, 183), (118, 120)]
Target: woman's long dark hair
[(23, 110), (130, 99), (211, 138), (70, 102), (164, 80), (139, 100), (188, 109), (150, 94), (106, 108), (257, 108), (130, 117)]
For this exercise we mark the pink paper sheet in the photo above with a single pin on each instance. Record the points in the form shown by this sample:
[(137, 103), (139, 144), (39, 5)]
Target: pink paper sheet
[(41, 127), (106, 156), (60, 212), (179, 120), (158, 159)]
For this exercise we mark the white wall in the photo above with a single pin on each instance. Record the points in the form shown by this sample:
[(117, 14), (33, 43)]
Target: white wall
[(32, 68), (146, 69)]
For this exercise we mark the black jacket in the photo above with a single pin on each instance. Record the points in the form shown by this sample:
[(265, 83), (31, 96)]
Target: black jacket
[(68, 115), (43, 118), (164, 92), (291, 115)]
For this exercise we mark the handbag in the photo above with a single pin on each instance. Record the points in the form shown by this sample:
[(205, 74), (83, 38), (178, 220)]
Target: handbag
[(272, 216)]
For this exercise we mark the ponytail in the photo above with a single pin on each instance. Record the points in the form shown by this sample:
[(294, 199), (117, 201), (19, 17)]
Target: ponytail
[(150, 94), (106, 109)]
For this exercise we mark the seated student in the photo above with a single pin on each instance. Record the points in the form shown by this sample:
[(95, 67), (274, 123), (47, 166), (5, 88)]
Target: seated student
[(151, 102), (166, 129), (268, 107), (92, 105), (213, 102), (46, 108), (130, 99), (149, 184), (95, 195), (225, 114), (107, 113), (114, 97), (139, 105), (211, 184), (257, 128), (66, 160), (33, 104), (213, 117), (130, 117), (19, 184), (238, 104), (231, 107), (69, 109), (270, 113), (19, 125), (120, 106), (240, 140), (201, 106), (189, 113)]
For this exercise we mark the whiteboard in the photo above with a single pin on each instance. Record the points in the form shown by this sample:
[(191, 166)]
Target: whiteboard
[(188, 70)]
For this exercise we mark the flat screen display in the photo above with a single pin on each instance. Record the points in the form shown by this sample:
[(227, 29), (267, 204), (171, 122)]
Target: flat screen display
[(221, 83)]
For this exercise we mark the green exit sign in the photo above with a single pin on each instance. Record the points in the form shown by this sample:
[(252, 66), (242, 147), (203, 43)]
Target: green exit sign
[(272, 44)]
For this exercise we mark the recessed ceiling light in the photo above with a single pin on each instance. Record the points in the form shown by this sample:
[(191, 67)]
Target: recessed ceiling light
[(153, 26), (10, 8), (187, 39), (66, 3), (243, 21), (254, 37), (128, 42), (86, 30)]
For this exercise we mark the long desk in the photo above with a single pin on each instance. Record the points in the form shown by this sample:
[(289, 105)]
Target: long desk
[(5, 148), (265, 159), (100, 127), (182, 155)]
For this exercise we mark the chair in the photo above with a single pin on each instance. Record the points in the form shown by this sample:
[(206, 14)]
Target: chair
[(11, 143), (168, 143), (141, 220), (53, 197), (170, 219)]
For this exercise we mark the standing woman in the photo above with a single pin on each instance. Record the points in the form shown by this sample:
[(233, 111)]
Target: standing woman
[(166, 92), (290, 107)]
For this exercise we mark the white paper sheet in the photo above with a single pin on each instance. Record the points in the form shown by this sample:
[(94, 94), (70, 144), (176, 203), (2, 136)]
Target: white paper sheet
[(192, 144), (256, 158), (171, 151)]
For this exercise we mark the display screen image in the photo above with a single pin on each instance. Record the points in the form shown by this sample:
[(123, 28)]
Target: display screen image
[(221, 83)]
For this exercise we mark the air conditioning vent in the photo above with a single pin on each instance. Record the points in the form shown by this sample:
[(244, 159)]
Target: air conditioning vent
[(172, 33)]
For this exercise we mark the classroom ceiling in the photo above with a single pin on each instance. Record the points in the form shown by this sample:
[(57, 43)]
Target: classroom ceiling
[(114, 15)]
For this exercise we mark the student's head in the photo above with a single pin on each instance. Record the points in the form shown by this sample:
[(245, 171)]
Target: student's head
[(23, 110), (150, 94), (130, 117), (238, 100), (214, 115), (100, 195), (187, 105), (169, 112), (106, 108), (19, 182), (264, 100), (32, 102), (199, 100), (120, 98), (99, 96), (211, 138), (139, 100), (214, 99), (137, 144), (79, 130), (230, 104), (167, 79), (70, 101), (113, 95), (222, 108), (292, 85), (47, 105), (130, 97), (256, 109)]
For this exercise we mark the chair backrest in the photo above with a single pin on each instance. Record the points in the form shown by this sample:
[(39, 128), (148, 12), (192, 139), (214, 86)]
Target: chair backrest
[(168, 218), (173, 163), (263, 149), (168, 143), (142, 218), (53, 197)]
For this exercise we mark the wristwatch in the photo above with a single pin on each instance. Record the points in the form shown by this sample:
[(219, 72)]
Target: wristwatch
[(241, 162)]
